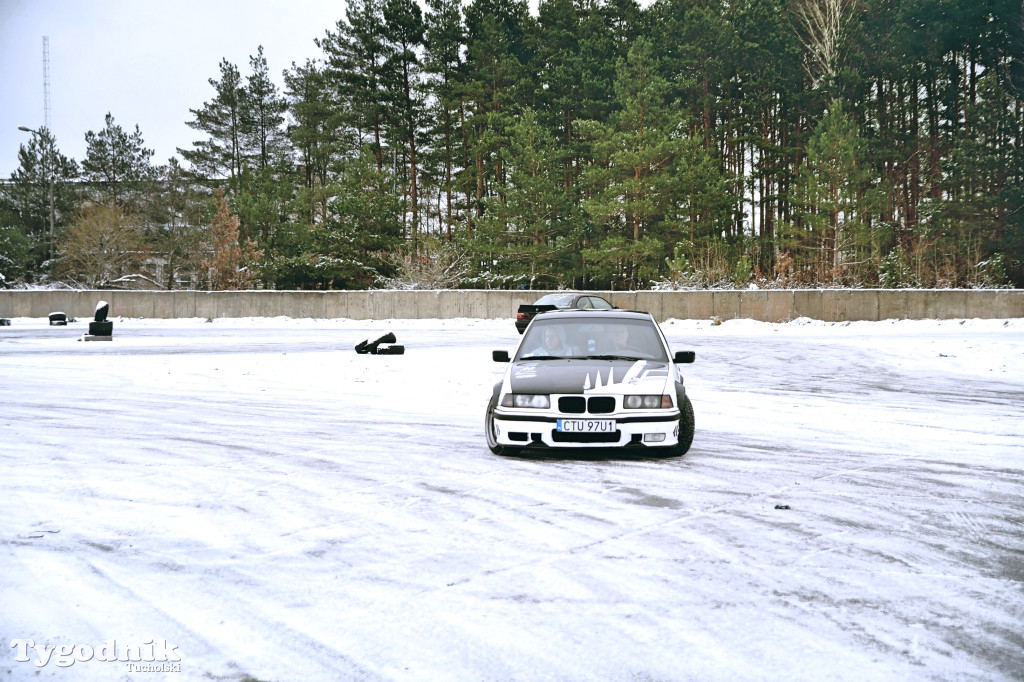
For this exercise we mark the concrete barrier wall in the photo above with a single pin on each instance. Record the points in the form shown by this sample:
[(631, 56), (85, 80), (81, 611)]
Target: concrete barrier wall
[(833, 305)]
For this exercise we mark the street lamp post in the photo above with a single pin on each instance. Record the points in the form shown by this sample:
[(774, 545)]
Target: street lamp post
[(51, 169)]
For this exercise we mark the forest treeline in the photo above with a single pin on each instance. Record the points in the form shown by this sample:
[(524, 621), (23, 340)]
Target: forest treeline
[(593, 144)]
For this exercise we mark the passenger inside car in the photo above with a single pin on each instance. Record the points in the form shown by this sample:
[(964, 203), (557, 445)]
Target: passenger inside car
[(550, 343)]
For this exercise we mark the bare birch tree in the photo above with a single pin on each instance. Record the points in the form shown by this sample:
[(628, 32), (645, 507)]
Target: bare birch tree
[(822, 23)]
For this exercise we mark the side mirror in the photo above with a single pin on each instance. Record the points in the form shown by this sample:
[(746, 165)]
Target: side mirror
[(684, 357), (499, 355)]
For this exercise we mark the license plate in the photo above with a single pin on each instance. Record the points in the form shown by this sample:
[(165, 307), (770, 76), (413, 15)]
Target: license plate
[(586, 425)]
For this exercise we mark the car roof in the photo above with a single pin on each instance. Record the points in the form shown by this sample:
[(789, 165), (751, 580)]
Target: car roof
[(616, 313)]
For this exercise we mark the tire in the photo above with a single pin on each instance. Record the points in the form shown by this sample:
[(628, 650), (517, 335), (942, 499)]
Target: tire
[(686, 428), (101, 328), (492, 441)]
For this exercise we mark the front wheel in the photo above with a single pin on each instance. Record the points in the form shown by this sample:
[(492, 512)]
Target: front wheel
[(686, 428), (491, 432)]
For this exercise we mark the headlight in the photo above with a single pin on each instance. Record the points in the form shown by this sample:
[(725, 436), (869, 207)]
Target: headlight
[(647, 402), (525, 400)]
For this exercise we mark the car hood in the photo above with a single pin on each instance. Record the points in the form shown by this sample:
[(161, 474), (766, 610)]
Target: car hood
[(608, 377)]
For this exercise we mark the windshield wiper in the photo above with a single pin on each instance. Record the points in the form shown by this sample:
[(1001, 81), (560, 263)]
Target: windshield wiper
[(614, 357)]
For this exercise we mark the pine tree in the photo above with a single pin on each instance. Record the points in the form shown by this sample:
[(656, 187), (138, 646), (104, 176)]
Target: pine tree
[(355, 54), (697, 45), (635, 188), (223, 119), (833, 179), (403, 32), (495, 87), (985, 176), (175, 231), (263, 115), (576, 54), (444, 37), (27, 199), (526, 233), (119, 166), (763, 115), (367, 225), (318, 133)]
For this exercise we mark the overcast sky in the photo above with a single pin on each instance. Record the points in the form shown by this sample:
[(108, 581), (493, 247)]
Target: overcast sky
[(147, 62)]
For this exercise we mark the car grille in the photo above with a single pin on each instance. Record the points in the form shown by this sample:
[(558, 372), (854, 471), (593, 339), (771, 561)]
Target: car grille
[(574, 404)]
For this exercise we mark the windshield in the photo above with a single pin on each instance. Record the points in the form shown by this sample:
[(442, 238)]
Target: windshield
[(590, 338), (555, 299)]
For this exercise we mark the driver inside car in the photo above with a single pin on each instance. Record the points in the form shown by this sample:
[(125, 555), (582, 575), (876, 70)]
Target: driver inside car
[(617, 339)]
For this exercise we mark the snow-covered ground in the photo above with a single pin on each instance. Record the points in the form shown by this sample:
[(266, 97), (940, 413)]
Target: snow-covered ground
[(264, 503)]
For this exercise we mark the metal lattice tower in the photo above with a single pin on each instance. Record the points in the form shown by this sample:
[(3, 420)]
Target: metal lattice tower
[(46, 81)]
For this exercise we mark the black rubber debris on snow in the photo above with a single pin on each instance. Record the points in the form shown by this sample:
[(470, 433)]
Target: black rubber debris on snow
[(380, 347), (387, 338)]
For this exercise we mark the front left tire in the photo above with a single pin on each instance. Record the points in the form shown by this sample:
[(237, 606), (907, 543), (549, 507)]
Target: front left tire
[(491, 432), (687, 425)]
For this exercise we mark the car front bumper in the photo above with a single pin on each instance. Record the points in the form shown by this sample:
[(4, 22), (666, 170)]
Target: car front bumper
[(519, 429)]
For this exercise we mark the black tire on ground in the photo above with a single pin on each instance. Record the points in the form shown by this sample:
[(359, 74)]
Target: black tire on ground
[(492, 441), (101, 328), (686, 428), (387, 338)]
